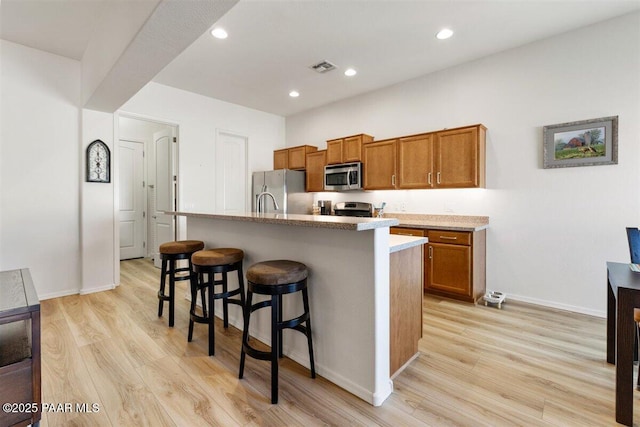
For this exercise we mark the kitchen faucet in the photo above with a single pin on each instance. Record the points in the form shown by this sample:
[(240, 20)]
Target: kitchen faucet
[(260, 201)]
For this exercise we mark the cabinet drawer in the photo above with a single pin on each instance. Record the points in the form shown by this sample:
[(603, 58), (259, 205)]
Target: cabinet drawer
[(450, 237), (407, 231)]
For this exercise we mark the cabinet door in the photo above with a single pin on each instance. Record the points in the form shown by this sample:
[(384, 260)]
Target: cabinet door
[(352, 149), (297, 157), (281, 159), (379, 163), (334, 152), (449, 268), (315, 170), (457, 158), (415, 162)]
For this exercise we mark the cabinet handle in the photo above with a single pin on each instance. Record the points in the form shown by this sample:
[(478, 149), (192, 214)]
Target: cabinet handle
[(438, 177), (430, 252), (448, 238), (393, 180), (429, 178)]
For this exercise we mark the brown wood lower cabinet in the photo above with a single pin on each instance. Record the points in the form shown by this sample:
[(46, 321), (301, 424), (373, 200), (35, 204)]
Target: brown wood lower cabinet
[(405, 306), (454, 262)]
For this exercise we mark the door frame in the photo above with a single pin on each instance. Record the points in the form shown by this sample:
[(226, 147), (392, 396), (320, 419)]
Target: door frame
[(116, 180)]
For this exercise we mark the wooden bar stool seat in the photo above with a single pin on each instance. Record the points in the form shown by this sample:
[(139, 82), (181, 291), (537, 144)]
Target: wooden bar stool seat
[(211, 262), (276, 278), (170, 252)]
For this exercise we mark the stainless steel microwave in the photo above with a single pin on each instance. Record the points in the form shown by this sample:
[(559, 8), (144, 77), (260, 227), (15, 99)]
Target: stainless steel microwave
[(347, 176)]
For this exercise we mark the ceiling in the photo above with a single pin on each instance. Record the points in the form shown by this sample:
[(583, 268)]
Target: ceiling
[(271, 44)]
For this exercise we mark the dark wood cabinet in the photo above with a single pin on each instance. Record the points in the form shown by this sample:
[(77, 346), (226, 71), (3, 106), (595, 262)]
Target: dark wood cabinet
[(20, 348)]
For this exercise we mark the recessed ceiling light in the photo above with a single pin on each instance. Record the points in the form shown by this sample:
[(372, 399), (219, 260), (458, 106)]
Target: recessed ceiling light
[(350, 72), (444, 33), (219, 33), (294, 94)]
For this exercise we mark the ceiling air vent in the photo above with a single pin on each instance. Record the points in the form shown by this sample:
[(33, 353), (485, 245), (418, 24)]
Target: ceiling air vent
[(323, 67)]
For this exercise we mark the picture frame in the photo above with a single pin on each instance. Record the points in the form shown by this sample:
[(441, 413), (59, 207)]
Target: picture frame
[(98, 162), (591, 142)]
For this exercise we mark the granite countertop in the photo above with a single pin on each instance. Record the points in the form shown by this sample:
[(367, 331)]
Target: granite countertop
[(316, 221), (399, 243), (441, 222)]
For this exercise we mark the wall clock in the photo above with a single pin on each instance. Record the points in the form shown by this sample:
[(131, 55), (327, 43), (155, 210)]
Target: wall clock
[(98, 162)]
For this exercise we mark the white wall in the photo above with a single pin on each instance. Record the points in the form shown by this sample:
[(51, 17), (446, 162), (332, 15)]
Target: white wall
[(97, 225), (198, 118), (134, 129), (39, 172), (551, 229)]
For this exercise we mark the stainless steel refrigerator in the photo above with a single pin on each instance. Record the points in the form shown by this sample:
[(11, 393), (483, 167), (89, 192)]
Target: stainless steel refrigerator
[(287, 188)]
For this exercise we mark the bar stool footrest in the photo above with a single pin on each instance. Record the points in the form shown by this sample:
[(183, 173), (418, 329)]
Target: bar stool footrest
[(295, 323), (255, 353), (163, 297)]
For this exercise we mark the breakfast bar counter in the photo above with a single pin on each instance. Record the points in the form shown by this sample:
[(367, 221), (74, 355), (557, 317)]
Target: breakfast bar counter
[(349, 288)]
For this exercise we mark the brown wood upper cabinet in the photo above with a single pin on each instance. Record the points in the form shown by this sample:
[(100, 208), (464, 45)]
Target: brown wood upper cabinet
[(415, 161), (447, 159), (345, 150), (379, 164), (460, 157), (292, 157), (315, 170)]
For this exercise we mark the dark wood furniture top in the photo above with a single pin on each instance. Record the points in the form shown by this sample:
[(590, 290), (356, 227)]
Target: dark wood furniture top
[(19, 348), (623, 295)]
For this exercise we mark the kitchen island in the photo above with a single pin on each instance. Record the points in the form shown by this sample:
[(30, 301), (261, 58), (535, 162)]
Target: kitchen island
[(349, 289)]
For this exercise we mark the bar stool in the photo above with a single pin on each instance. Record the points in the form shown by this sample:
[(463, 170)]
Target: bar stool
[(276, 278), (210, 262), (636, 319), (170, 252)]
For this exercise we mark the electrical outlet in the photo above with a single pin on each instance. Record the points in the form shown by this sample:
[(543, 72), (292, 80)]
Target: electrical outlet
[(403, 206)]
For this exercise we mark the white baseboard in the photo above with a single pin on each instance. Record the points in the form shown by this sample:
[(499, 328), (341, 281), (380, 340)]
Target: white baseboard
[(375, 399), (84, 291), (68, 292), (57, 294), (552, 304)]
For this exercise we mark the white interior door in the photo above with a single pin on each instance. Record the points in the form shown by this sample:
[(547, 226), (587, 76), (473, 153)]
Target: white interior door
[(231, 172), (132, 199), (164, 190)]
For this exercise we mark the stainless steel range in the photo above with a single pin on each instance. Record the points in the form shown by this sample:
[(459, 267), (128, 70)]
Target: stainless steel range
[(361, 209)]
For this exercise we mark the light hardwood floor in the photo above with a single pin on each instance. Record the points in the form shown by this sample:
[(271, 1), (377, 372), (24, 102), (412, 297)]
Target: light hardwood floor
[(479, 366)]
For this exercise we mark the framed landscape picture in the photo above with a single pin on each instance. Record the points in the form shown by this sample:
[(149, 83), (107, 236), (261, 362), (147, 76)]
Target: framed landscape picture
[(584, 143)]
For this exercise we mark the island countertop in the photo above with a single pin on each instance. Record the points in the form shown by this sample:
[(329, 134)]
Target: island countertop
[(315, 221), (349, 262)]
